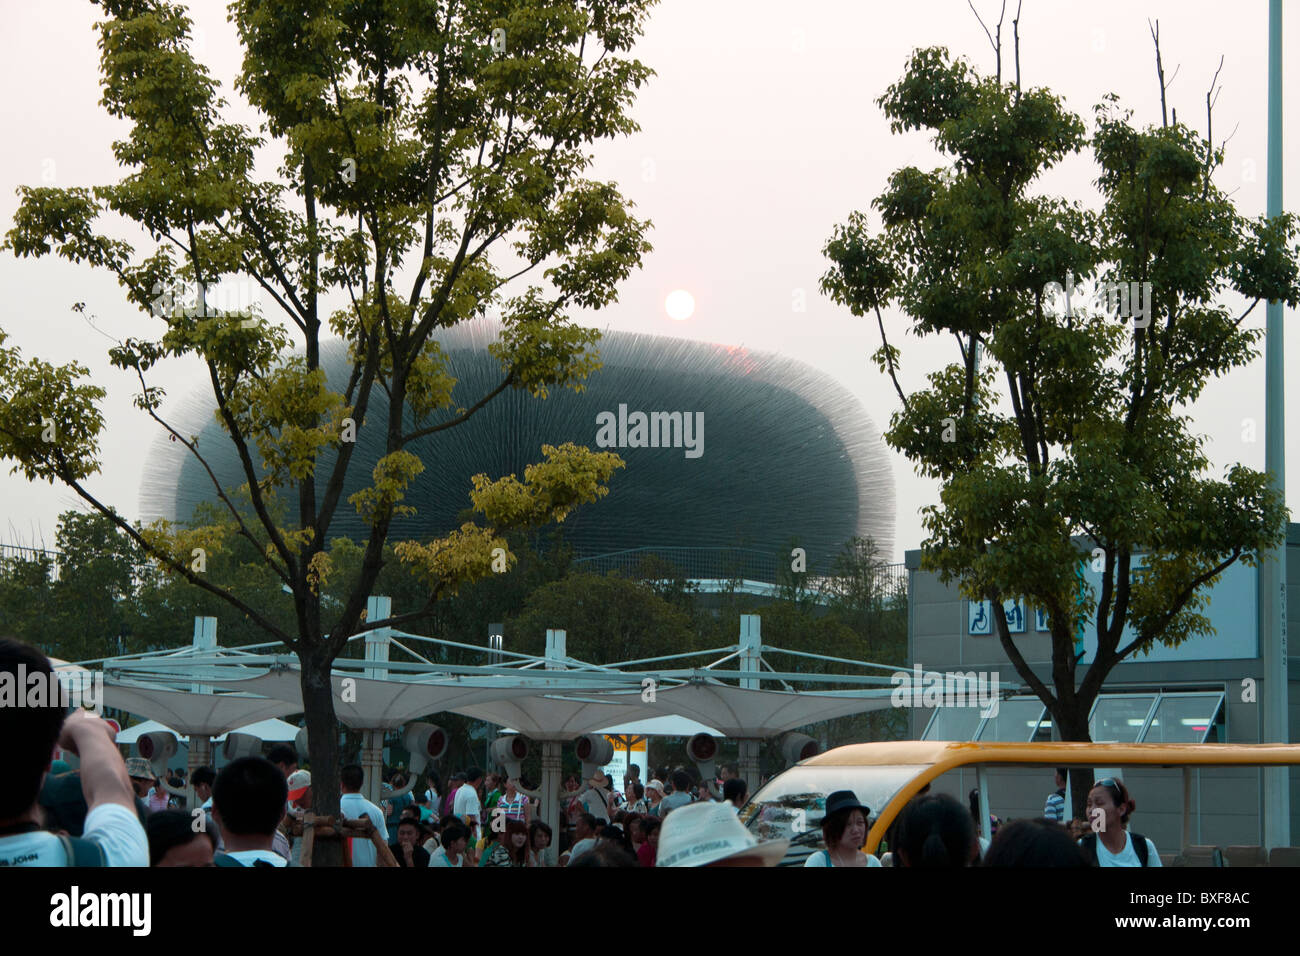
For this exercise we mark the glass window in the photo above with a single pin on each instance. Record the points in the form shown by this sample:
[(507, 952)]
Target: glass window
[(792, 805), (953, 723), (1185, 719), (1016, 721), (1119, 718)]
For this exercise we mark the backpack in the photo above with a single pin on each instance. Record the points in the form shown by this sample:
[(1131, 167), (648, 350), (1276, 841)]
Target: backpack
[(223, 859), (83, 852), (1089, 846)]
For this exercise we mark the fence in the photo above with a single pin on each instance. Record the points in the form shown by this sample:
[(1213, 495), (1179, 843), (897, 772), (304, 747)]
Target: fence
[(723, 564), (11, 553)]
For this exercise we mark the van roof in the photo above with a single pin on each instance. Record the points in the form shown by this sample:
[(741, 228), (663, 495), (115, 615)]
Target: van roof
[(1053, 753)]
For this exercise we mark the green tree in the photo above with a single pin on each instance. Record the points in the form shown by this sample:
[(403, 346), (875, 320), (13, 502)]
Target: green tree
[(27, 582), (439, 145), (1090, 437), (608, 618), (79, 607)]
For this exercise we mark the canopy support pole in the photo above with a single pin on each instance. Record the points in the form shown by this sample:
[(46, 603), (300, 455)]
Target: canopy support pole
[(372, 745), (751, 649), (200, 755), (200, 747), (551, 797)]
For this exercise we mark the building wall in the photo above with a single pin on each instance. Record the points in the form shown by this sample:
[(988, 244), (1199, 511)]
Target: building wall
[(1229, 799)]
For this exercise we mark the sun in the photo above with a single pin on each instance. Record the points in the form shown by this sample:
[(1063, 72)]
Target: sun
[(679, 305)]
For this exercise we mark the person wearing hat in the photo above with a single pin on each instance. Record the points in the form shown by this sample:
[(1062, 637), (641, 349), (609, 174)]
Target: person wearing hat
[(595, 796), (299, 784), (709, 834), (141, 774), (654, 795), (844, 828)]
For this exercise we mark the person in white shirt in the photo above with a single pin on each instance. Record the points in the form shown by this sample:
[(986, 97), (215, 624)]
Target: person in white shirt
[(248, 801), (353, 806), (466, 807), (634, 793), (452, 852), (299, 784), (112, 832), (432, 793), (202, 779), (595, 796), (585, 835), (844, 829), (1110, 804)]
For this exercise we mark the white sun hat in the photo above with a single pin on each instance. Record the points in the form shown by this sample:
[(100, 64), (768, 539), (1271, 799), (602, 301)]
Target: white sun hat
[(702, 833)]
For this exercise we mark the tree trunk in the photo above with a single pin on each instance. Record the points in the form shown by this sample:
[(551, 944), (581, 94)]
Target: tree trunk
[(323, 744), (1074, 726)]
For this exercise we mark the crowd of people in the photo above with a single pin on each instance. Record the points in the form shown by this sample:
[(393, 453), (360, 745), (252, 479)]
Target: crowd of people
[(255, 812)]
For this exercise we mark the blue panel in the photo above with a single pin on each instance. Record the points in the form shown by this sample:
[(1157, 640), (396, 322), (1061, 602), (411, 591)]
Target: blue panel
[(1232, 611)]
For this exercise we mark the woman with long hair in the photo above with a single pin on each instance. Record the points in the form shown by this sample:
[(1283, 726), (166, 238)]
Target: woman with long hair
[(510, 848), (539, 838)]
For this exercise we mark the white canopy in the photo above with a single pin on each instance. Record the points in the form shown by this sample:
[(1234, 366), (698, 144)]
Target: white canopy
[(273, 729), (743, 712), (672, 726), (379, 704), (548, 717), (204, 714)]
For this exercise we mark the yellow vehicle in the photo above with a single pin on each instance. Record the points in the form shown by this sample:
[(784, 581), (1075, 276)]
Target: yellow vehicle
[(885, 776)]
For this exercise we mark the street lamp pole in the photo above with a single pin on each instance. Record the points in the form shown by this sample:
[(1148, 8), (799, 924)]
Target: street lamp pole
[(1272, 570)]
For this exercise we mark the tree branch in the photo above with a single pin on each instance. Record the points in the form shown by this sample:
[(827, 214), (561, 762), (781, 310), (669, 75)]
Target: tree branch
[(1015, 29), (250, 472), (1160, 72), (459, 419), (221, 493), (1177, 605), (889, 360), (179, 567)]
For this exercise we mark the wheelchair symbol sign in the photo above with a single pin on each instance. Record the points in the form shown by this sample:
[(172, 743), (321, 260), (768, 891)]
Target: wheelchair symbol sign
[(979, 620)]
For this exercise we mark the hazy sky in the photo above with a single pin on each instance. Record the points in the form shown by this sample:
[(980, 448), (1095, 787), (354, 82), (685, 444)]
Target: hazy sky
[(759, 134)]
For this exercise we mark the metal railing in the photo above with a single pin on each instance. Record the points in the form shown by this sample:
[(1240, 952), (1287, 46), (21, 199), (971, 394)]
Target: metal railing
[(10, 553), (723, 564)]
